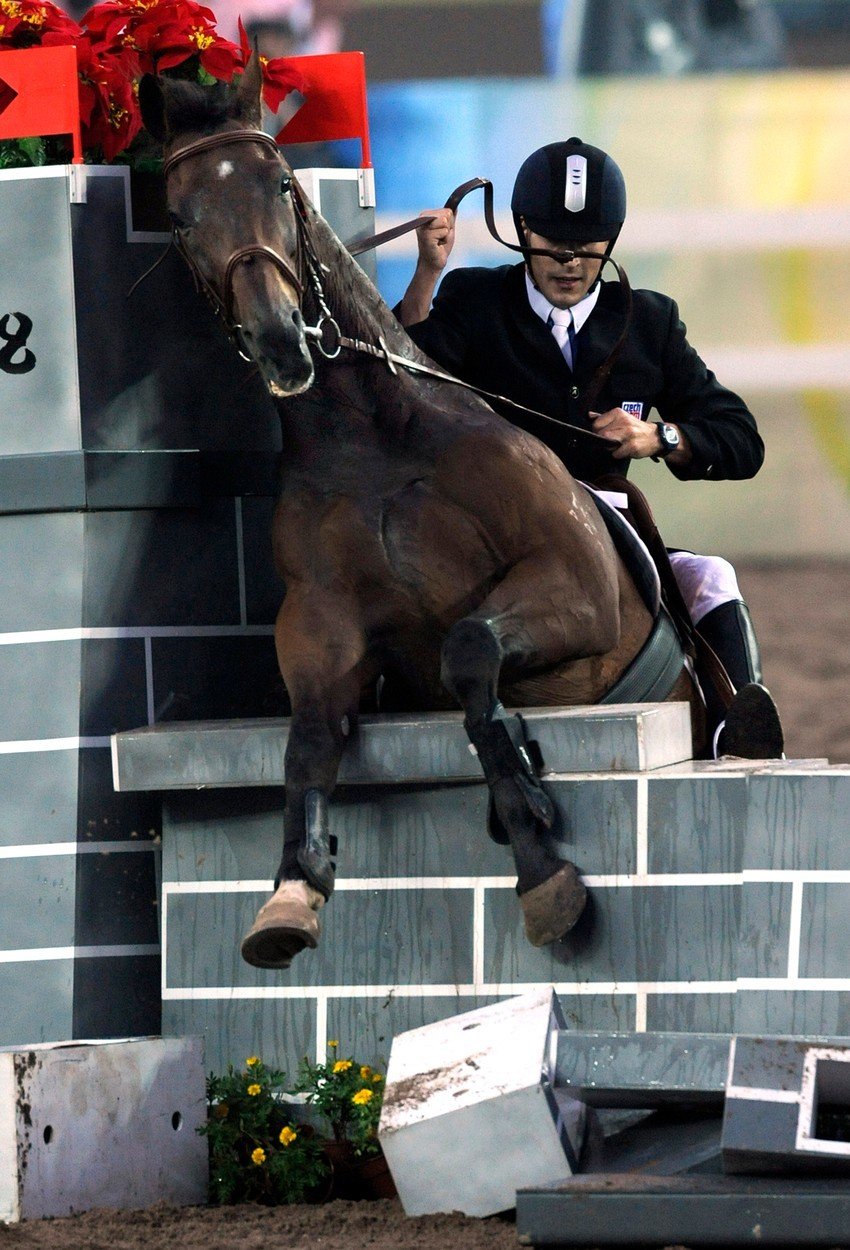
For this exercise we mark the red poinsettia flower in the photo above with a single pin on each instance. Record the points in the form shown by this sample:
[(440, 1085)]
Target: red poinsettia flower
[(279, 78), (279, 75), (108, 104), (24, 23), (165, 33)]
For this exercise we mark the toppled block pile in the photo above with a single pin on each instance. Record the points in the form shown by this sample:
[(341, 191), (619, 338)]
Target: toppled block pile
[(621, 1138)]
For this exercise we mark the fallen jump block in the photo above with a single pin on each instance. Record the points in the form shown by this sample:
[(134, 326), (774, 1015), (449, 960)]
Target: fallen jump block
[(110, 1124), (643, 1069), (470, 1111), (787, 1106)]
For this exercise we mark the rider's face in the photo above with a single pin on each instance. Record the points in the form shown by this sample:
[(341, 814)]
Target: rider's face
[(563, 283)]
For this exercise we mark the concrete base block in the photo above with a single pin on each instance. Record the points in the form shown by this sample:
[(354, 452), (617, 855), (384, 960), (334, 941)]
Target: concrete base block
[(787, 1106), (101, 1125), (470, 1112)]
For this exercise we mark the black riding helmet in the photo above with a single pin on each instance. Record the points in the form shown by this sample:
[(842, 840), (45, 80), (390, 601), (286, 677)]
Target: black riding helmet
[(570, 192)]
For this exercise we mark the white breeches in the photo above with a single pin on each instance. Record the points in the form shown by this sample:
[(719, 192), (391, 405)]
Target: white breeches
[(705, 582)]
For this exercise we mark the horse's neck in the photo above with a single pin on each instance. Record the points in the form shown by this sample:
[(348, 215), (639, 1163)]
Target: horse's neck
[(354, 301), (355, 396)]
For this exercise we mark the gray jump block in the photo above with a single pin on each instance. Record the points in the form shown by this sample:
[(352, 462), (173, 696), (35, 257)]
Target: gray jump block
[(610, 1209), (643, 1069), (787, 1106), (657, 1070), (391, 750)]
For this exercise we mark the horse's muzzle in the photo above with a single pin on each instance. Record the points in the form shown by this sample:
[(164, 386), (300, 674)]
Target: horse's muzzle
[(280, 350)]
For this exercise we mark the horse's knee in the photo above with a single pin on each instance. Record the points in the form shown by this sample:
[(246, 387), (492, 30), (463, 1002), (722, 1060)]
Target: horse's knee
[(471, 659)]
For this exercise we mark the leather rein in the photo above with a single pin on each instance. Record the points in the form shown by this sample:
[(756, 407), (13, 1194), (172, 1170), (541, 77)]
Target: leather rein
[(307, 274)]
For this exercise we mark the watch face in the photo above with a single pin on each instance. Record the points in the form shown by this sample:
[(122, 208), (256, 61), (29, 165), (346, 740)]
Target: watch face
[(669, 437)]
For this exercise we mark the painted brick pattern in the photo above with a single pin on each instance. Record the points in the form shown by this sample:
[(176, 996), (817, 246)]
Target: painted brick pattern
[(425, 923), (110, 617)]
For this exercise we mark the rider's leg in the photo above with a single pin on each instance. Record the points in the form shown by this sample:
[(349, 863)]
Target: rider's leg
[(751, 726), (728, 630)]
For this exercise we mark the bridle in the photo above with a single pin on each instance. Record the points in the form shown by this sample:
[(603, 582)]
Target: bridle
[(307, 275)]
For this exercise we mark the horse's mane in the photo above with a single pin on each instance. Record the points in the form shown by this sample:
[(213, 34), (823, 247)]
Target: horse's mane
[(192, 107)]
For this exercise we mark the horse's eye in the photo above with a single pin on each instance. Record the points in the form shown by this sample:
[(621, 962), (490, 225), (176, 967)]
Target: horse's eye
[(285, 183)]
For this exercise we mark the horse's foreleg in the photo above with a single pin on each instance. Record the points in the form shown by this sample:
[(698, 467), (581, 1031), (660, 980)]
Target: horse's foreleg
[(523, 622), (321, 658)]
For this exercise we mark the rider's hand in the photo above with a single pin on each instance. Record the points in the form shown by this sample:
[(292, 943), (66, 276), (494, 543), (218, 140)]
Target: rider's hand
[(637, 438), (436, 239)]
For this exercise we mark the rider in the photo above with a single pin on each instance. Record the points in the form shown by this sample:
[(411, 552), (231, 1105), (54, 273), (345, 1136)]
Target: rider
[(537, 332)]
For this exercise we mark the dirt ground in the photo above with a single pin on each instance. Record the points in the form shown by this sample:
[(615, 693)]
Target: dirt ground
[(802, 615)]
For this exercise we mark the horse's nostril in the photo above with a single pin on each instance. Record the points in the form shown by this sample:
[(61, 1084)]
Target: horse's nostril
[(297, 319)]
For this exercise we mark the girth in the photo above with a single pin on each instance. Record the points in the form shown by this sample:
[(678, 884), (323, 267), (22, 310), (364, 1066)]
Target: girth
[(656, 668)]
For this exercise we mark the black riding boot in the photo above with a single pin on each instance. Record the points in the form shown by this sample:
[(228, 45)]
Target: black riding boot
[(751, 728)]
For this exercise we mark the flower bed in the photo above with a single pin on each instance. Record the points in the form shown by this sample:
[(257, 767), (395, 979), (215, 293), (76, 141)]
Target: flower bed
[(264, 1148)]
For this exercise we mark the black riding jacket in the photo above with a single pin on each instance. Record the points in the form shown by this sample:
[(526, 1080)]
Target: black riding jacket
[(483, 329)]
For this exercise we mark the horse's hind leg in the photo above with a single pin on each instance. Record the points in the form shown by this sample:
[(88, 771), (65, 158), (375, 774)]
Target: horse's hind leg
[(551, 893)]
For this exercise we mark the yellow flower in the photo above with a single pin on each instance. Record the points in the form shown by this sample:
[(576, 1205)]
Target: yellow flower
[(362, 1097), (221, 1111), (287, 1136), (341, 1065), (365, 1072), (376, 1076), (252, 1061), (333, 1045), (253, 1090), (258, 1156)]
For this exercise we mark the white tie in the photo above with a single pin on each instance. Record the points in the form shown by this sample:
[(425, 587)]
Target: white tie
[(561, 324)]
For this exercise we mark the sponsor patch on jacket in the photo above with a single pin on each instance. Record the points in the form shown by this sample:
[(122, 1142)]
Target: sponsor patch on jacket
[(633, 407)]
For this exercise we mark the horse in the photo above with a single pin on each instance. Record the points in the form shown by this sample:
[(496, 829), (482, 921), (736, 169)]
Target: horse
[(417, 532)]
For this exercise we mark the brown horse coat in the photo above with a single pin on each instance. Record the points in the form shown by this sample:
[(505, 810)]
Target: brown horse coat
[(417, 531)]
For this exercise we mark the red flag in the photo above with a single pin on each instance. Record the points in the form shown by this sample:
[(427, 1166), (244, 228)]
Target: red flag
[(46, 99), (335, 101)]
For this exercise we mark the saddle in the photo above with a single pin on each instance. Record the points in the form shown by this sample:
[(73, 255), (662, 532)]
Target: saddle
[(707, 665)]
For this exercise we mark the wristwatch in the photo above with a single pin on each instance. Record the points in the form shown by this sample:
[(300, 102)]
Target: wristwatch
[(669, 438)]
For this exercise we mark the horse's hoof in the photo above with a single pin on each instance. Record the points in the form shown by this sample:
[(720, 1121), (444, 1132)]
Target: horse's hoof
[(552, 908), (284, 927)]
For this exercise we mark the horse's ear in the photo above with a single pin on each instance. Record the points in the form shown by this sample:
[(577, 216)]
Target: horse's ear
[(152, 105), (250, 91)]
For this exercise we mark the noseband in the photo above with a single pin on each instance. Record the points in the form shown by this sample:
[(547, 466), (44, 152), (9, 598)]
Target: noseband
[(306, 260)]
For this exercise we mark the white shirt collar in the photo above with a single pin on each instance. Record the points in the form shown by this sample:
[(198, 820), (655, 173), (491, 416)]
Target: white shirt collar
[(580, 311)]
